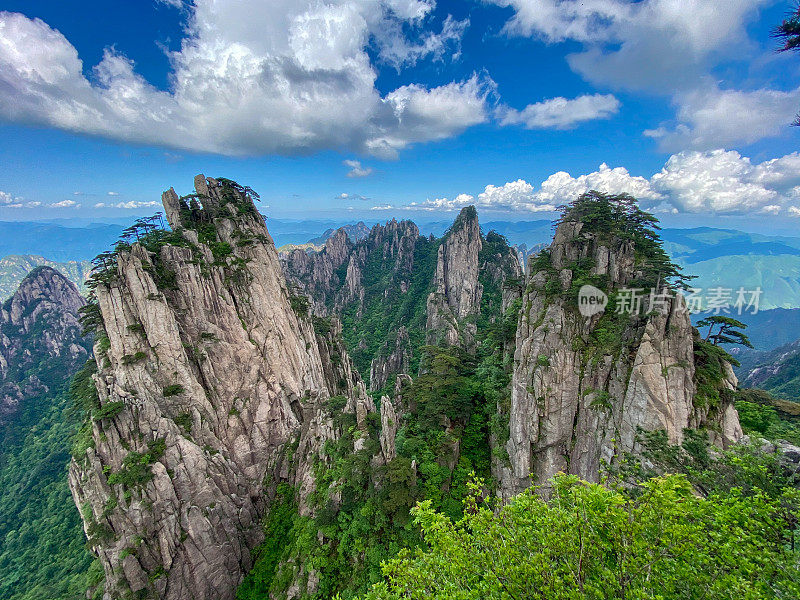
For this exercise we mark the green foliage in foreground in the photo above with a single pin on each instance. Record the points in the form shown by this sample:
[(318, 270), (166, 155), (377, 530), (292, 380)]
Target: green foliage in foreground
[(591, 542)]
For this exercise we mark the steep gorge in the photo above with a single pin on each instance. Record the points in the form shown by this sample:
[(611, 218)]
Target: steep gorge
[(232, 443), (42, 553)]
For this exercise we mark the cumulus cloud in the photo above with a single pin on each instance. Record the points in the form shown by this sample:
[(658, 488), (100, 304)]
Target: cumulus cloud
[(713, 118), (10, 201), (727, 182), (794, 211), (561, 113), (356, 169), (131, 204), (669, 48), (250, 78), (557, 189), (66, 204), (690, 182)]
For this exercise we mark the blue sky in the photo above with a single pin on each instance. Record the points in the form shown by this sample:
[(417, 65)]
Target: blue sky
[(374, 108)]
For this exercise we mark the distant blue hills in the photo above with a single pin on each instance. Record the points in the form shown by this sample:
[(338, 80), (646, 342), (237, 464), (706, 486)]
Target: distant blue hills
[(56, 242), (718, 257)]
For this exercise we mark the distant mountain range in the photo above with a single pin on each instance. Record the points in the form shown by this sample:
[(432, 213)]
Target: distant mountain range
[(718, 257), (14, 268), (734, 259), (56, 242)]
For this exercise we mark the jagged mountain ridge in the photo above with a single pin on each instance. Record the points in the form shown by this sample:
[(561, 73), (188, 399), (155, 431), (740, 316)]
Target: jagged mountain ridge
[(777, 371), (226, 394), (583, 387), (40, 337), (14, 268), (396, 289)]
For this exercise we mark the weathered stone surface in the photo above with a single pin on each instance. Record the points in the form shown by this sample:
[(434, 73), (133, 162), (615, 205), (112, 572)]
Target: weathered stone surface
[(457, 291), (389, 425), (333, 277), (40, 320), (573, 411), (217, 368)]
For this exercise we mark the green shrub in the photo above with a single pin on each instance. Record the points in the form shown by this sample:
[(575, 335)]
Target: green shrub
[(184, 421), (130, 359), (173, 390), (108, 410), (591, 542)]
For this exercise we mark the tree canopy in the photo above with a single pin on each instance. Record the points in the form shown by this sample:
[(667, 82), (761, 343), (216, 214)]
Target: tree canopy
[(591, 542), (727, 331), (617, 218)]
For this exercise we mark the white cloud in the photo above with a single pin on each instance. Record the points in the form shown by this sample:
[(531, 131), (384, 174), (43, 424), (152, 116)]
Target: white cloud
[(433, 114), (561, 113), (557, 189), (382, 207), (9, 201), (727, 182), (514, 194), (561, 187), (666, 47), (397, 50), (66, 204), (652, 44), (690, 182), (132, 204), (794, 211), (356, 169), (713, 118), (113, 193), (250, 78)]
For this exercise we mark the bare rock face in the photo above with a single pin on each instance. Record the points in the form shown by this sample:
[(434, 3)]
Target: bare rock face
[(337, 278), (208, 370), (583, 386), (38, 325), (334, 277), (457, 293)]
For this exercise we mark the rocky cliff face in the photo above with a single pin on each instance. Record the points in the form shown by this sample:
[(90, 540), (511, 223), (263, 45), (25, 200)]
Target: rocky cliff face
[(411, 289), (211, 381), (583, 386), (457, 293), (40, 340), (333, 277)]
